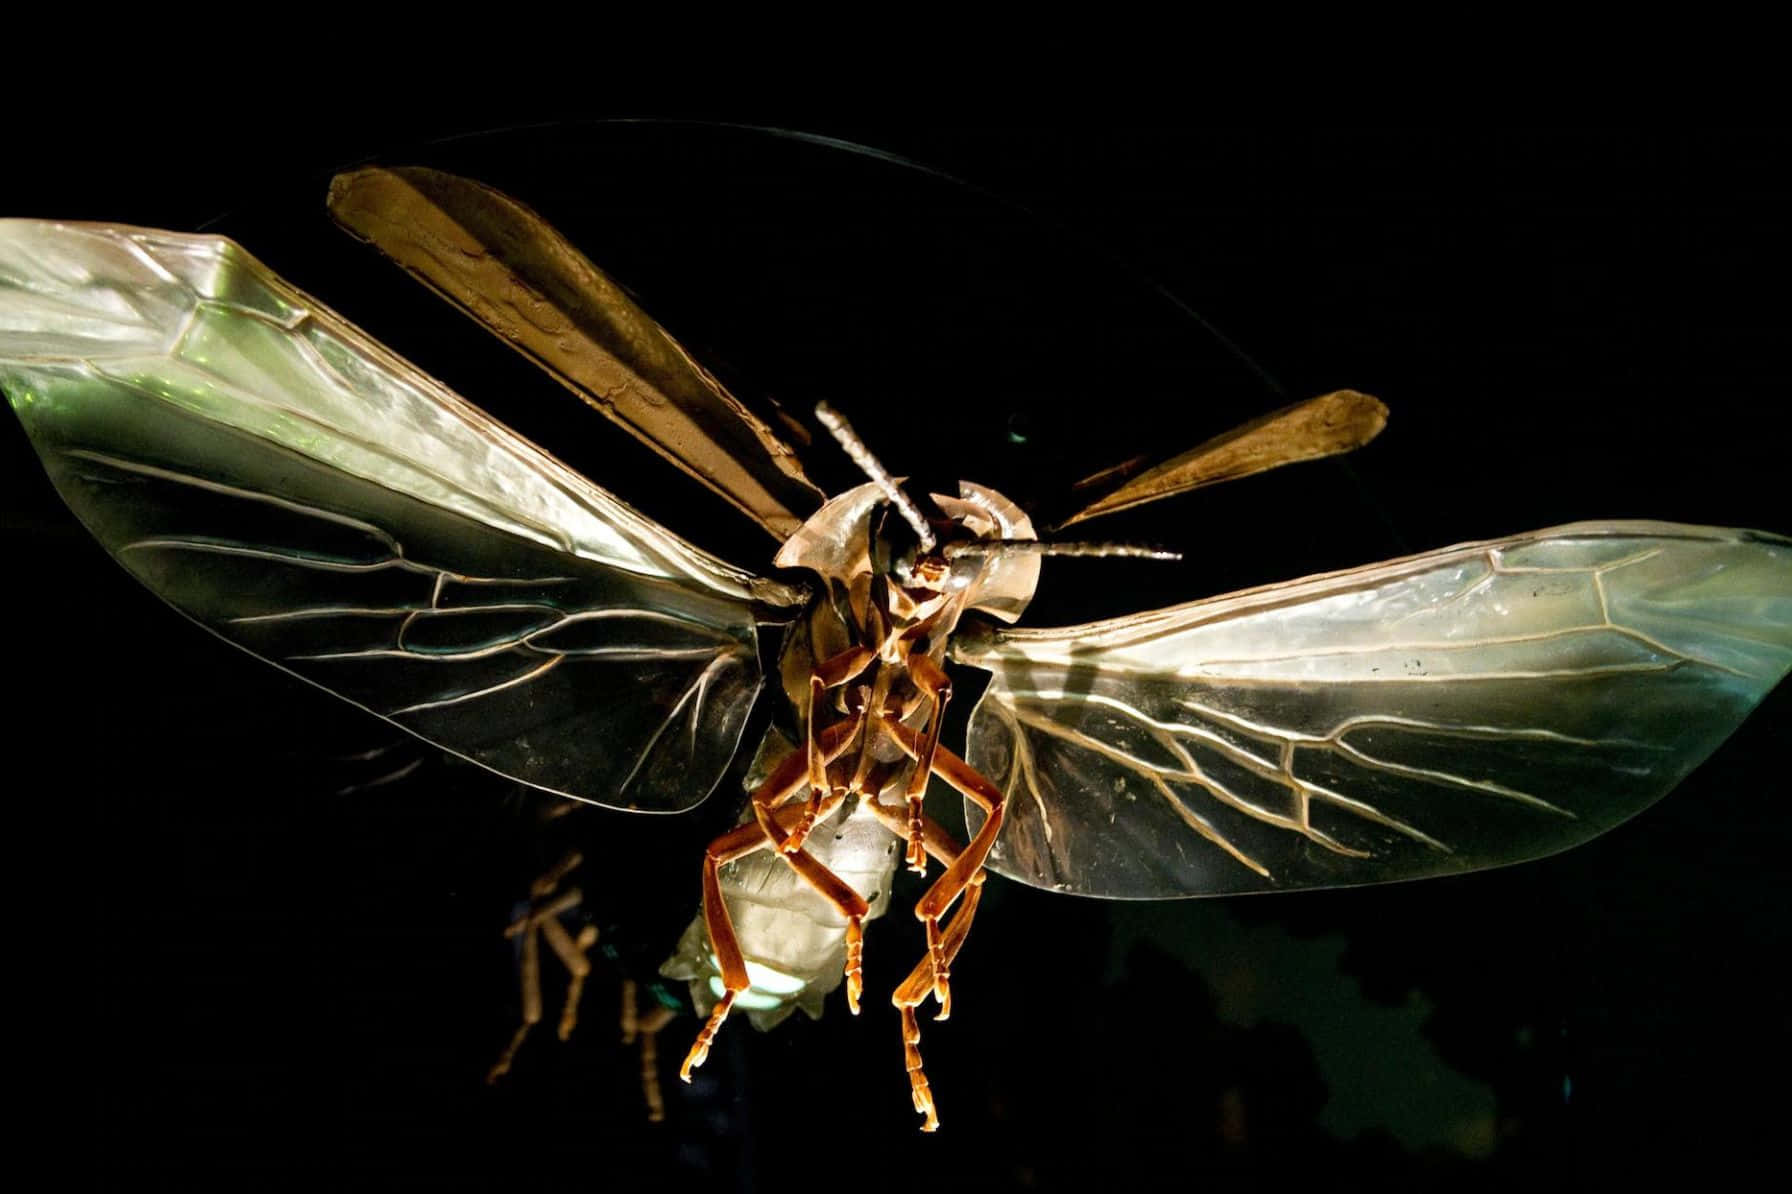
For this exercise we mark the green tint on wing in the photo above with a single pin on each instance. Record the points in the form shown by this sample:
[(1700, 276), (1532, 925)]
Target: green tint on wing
[(289, 483), (1466, 708)]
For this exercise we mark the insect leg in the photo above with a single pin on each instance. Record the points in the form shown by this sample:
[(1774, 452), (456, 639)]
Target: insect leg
[(915, 988), (573, 953), (729, 960), (967, 866), (848, 902), (767, 829), (934, 837), (933, 683), (830, 673), (920, 983), (941, 846)]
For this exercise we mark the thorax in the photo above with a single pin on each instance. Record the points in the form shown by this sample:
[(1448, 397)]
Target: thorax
[(863, 599)]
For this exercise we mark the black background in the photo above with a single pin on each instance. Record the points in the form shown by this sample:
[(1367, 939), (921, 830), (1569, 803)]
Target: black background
[(260, 971)]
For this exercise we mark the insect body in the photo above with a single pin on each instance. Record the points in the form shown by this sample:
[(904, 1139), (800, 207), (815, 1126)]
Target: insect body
[(282, 478), (865, 669)]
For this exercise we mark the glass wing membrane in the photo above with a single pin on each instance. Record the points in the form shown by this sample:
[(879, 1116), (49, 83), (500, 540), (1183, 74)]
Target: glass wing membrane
[(289, 483), (1466, 708)]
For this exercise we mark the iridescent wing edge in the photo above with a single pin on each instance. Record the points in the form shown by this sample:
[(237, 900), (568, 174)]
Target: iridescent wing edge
[(1464, 708)]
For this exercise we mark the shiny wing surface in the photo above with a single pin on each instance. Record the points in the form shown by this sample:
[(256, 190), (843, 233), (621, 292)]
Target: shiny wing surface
[(292, 485), (1465, 708)]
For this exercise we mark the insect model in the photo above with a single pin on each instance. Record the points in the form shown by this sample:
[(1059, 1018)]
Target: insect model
[(297, 488)]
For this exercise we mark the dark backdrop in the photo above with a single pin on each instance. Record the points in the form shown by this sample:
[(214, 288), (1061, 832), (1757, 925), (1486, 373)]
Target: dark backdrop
[(273, 952)]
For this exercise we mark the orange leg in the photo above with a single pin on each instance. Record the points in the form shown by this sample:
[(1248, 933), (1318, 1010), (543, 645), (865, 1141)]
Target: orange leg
[(921, 982), (790, 777), (936, 686), (837, 891), (967, 866), (849, 903), (769, 828), (825, 797), (737, 843), (934, 837), (942, 847)]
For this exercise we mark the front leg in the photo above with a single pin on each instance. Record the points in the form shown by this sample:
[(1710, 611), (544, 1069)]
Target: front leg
[(839, 669), (933, 683)]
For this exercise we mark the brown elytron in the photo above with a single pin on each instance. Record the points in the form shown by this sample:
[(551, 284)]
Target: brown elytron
[(513, 272), (1341, 421)]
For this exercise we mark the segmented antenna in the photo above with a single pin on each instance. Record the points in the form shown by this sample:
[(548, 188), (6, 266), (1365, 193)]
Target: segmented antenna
[(873, 468), (1040, 547)]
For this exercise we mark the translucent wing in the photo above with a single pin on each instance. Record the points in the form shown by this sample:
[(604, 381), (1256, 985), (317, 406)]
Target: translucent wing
[(1465, 708), (283, 479)]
